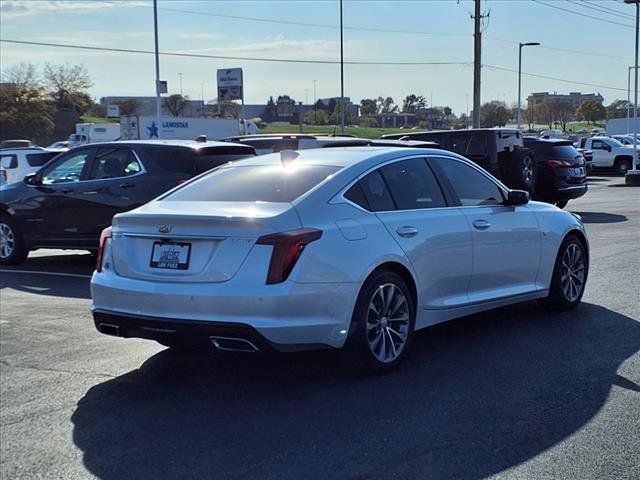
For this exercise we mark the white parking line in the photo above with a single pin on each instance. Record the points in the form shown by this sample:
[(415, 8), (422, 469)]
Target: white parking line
[(59, 274)]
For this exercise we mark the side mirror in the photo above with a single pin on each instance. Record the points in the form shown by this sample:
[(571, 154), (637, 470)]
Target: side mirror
[(517, 197), (32, 179)]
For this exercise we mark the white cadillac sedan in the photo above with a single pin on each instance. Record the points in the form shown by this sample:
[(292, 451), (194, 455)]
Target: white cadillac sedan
[(356, 247)]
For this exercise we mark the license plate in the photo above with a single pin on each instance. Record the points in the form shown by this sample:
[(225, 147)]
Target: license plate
[(170, 255), (577, 172)]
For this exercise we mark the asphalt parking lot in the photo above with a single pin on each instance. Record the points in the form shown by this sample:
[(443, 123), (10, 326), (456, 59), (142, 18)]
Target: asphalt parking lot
[(513, 393)]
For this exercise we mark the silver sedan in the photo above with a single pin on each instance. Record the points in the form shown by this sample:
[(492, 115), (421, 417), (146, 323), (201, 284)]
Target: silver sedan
[(355, 247)]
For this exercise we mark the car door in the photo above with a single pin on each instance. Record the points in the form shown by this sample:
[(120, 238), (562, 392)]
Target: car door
[(53, 205), (506, 239), (436, 238), (115, 184), (601, 154)]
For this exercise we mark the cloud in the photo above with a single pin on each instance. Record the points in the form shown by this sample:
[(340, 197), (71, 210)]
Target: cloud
[(200, 36), (14, 8)]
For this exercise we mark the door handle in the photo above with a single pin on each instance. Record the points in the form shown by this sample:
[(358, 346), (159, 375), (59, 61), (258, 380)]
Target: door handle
[(407, 232), (126, 185), (66, 190), (481, 224)]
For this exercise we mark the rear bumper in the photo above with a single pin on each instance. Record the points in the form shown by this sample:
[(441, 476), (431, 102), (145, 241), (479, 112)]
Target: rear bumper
[(570, 192), (286, 316)]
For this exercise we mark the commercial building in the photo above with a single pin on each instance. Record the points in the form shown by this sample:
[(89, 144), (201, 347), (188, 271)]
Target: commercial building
[(575, 98)]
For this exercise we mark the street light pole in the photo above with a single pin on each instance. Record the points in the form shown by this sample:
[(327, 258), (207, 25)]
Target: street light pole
[(633, 176), (520, 45), (155, 31), (341, 75), (180, 75)]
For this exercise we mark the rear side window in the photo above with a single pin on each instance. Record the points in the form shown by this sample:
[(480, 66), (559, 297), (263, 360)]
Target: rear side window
[(564, 152), (254, 183), (375, 192), (412, 185), (171, 159), (208, 158), (114, 163), (39, 159), (8, 161)]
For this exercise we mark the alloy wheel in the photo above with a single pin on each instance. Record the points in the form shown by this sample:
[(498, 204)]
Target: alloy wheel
[(7, 241), (527, 170), (387, 322), (573, 272)]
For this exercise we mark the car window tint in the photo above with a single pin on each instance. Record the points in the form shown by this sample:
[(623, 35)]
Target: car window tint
[(254, 183), (70, 170), (114, 162), (8, 161), (597, 145), (472, 187), (173, 159), (356, 195), (39, 159), (412, 185), (208, 158), (376, 192)]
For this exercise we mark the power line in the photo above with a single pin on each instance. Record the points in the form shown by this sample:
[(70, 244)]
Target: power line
[(610, 11), (373, 29), (546, 77), (224, 57), (582, 14), (287, 60)]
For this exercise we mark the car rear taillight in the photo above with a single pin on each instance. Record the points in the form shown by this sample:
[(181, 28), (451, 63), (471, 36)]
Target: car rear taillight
[(104, 237), (558, 164), (287, 247)]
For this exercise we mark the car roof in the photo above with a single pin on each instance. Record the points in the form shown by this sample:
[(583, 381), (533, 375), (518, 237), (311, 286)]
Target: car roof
[(553, 141), (338, 157), (173, 143), (32, 149)]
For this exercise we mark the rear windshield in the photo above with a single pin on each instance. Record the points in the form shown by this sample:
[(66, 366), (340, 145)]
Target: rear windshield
[(564, 152), (254, 183), (39, 159)]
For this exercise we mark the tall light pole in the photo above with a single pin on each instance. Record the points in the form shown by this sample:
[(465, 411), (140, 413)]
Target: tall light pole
[(520, 45), (180, 75), (315, 118), (155, 32), (633, 176), (341, 75)]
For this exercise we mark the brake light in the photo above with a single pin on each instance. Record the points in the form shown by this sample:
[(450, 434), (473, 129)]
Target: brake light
[(287, 248), (558, 164), (104, 236)]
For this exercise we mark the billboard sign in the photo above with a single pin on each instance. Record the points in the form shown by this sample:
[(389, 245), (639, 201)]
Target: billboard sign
[(113, 111), (230, 84)]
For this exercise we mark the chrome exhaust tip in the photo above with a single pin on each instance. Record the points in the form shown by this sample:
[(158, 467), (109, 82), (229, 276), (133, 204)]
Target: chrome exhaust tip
[(232, 344)]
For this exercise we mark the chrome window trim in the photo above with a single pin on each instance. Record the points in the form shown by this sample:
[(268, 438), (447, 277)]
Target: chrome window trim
[(340, 198)]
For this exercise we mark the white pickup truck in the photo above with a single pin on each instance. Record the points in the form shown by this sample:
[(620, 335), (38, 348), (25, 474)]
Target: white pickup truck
[(609, 153)]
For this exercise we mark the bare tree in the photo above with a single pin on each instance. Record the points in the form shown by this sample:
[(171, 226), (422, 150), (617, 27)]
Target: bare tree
[(23, 75), (176, 104), (66, 80)]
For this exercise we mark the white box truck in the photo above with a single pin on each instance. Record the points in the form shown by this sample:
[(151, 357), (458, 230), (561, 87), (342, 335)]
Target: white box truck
[(94, 132), (183, 128)]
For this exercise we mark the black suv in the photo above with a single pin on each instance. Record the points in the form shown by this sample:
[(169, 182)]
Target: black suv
[(561, 170), (500, 151), (68, 202)]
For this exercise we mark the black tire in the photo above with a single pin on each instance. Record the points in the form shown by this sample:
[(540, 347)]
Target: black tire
[(520, 170), (12, 248), (558, 298), (561, 203), (623, 165), (360, 352)]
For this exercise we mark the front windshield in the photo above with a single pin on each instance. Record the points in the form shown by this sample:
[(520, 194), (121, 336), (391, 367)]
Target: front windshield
[(614, 143)]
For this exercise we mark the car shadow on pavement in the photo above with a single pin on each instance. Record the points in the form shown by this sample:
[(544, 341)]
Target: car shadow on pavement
[(601, 217), (53, 286), (474, 397)]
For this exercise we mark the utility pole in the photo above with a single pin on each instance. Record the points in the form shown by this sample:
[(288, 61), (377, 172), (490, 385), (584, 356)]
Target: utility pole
[(477, 62), (157, 54)]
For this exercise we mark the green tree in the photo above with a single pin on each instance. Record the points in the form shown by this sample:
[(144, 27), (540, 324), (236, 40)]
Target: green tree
[(316, 117), (412, 103), (386, 105), (129, 107), (591, 111), (542, 114), (368, 107), (618, 109), (494, 114), (229, 109), (24, 113), (175, 104), (336, 117)]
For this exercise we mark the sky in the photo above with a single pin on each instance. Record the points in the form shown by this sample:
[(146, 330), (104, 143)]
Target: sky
[(582, 41)]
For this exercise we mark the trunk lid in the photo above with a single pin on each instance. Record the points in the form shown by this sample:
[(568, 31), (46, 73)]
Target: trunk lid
[(203, 241)]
